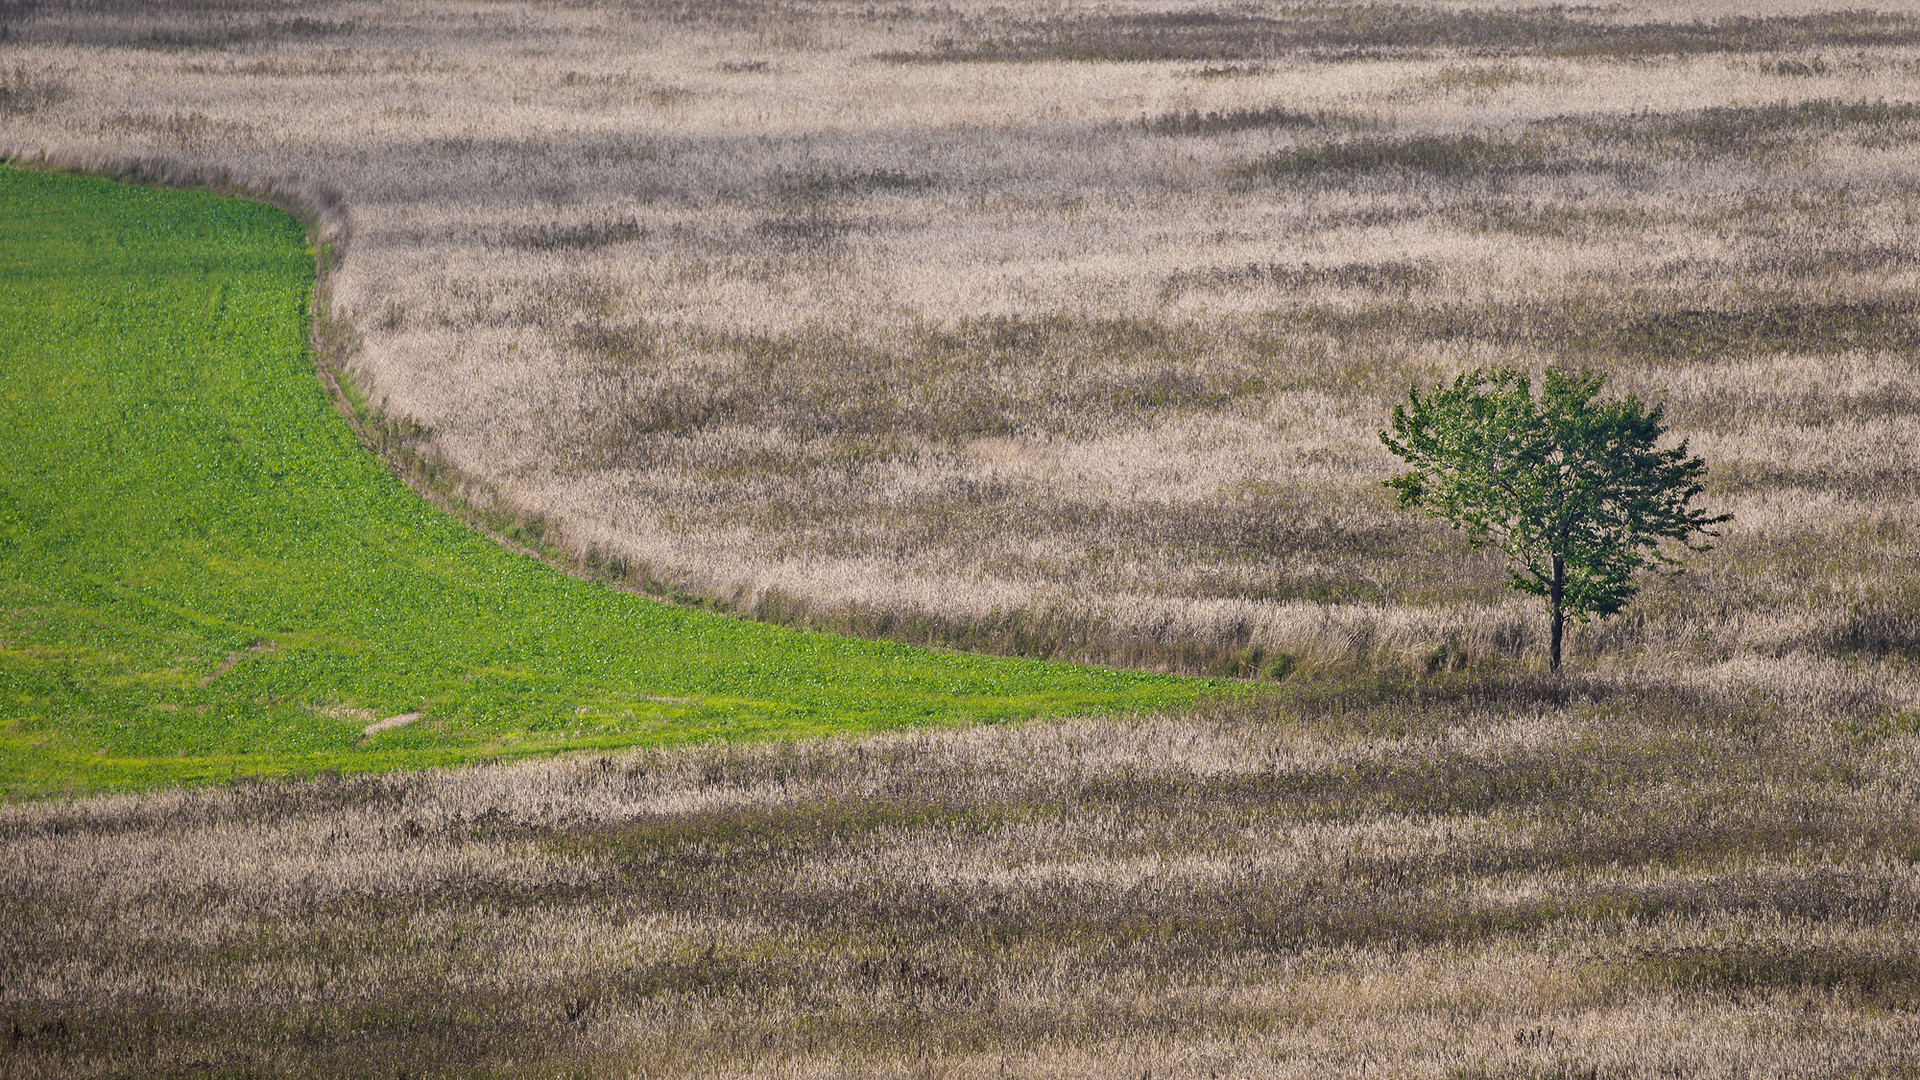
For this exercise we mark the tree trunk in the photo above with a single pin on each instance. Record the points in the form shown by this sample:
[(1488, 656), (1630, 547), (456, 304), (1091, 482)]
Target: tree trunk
[(1557, 593)]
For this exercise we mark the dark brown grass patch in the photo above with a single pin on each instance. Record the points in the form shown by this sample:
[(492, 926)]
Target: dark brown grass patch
[(1374, 30), (1884, 980)]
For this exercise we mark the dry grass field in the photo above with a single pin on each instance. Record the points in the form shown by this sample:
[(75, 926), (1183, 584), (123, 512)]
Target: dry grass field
[(1062, 328), (1520, 879)]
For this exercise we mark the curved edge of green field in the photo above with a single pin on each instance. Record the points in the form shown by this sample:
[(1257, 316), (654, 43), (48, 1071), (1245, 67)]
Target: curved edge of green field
[(204, 576)]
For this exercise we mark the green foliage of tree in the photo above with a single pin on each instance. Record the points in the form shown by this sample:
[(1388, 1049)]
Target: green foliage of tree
[(1573, 489)]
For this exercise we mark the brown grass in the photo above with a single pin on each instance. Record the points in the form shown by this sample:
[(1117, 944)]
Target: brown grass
[(1457, 876)]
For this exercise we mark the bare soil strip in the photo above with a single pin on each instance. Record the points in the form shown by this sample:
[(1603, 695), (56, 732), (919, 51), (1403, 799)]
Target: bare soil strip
[(390, 723)]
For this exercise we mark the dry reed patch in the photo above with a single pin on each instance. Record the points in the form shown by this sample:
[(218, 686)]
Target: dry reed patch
[(1605, 874), (1353, 31)]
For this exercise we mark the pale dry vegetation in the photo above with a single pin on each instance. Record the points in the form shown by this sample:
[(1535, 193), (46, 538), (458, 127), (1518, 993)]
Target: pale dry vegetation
[(1063, 329), (1607, 877)]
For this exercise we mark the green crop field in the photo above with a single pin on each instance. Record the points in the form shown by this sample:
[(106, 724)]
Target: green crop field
[(202, 574)]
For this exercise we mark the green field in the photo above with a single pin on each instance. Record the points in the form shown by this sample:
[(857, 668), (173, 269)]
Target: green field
[(203, 574)]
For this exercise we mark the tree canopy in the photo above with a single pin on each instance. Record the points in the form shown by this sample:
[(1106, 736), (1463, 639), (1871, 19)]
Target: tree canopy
[(1573, 489)]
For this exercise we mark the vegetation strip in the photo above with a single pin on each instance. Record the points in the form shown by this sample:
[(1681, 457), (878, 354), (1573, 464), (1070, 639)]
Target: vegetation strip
[(205, 576)]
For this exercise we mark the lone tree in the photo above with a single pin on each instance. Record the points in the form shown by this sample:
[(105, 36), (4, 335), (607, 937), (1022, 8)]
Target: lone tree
[(1572, 489)]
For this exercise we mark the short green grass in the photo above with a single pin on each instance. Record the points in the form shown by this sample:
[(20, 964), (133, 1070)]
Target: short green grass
[(203, 575)]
